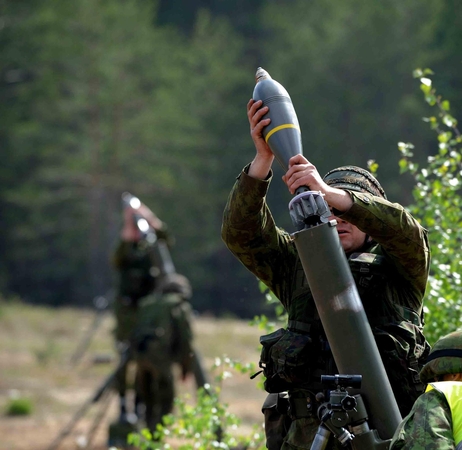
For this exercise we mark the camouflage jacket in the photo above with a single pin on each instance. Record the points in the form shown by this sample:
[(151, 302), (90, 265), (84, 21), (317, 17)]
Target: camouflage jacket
[(268, 252), (250, 233), (136, 266), (163, 331), (427, 427)]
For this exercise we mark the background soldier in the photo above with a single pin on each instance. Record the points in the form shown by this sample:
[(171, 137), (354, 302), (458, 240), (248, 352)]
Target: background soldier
[(162, 336), (435, 422), (388, 254), (136, 277)]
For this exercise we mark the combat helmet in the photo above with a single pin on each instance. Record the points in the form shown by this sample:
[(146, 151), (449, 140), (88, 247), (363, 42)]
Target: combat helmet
[(355, 179), (444, 358), (176, 283)]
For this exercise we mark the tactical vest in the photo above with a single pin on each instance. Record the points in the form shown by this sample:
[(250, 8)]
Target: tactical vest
[(163, 331), (302, 353), (452, 390), (137, 271)]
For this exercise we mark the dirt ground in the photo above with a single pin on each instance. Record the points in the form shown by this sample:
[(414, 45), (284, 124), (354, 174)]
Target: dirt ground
[(34, 364)]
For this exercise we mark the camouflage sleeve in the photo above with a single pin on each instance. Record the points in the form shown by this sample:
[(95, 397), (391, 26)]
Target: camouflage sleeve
[(121, 254), (250, 233), (188, 315), (183, 334), (427, 427), (165, 234), (401, 237)]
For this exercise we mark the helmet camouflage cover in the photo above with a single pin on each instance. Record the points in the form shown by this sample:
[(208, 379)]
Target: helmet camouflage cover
[(355, 179), (177, 283), (444, 358)]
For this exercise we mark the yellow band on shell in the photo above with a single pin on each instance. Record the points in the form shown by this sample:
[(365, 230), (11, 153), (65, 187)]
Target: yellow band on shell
[(280, 127)]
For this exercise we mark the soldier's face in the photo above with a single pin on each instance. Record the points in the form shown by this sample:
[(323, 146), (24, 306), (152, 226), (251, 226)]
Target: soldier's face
[(452, 377), (351, 237)]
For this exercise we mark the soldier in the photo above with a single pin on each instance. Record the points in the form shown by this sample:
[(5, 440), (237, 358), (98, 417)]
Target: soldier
[(388, 254), (435, 422), (162, 337), (136, 269)]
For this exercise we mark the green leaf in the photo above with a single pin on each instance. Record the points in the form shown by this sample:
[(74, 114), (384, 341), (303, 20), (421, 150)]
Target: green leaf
[(425, 89), (403, 165), (445, 105), (449, 121), (430, 99)]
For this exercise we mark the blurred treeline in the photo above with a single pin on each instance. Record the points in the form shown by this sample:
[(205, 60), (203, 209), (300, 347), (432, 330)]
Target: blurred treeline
[(99, 97)]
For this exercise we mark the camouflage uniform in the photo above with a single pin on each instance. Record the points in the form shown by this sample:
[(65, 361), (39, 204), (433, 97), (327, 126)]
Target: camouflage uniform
[(136, 273), (163, 336), (434, 424), (391, 291)]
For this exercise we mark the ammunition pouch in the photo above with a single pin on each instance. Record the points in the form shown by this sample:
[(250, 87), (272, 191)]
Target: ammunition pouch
[(397, 329), (402, 344), (285, 358), (302, 404), (277, 420)]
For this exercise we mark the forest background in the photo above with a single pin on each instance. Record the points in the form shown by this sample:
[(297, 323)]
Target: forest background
[(102, 97)]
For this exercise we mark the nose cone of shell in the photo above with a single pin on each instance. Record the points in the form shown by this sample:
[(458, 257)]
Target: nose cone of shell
[(261, 74)]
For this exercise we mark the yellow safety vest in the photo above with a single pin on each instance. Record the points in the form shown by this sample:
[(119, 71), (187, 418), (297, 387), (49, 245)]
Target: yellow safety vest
[(452, 390)]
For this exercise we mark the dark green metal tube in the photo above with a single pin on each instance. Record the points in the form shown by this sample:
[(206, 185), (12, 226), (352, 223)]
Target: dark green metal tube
[(345, 322)]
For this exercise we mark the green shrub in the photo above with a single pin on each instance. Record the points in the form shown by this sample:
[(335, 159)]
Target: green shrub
[(204, 424), (438, 205), (19, 407)]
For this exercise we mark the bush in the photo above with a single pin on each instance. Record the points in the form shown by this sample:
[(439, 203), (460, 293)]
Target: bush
[(19, 407), (438, 206)]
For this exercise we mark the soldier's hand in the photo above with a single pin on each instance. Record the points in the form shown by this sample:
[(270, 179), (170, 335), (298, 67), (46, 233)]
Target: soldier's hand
[(261, 165), (302, 173), (151, 218), (255, 113), (130, 232)]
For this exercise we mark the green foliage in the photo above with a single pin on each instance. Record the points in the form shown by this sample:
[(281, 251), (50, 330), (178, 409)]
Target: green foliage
[(224, 364), (438, 205), (100, 97), (262, 321), (204, 424), (19, 407), (109, 102), (373, 167), (346, 71)]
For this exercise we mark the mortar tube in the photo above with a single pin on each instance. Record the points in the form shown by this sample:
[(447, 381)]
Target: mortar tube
[(345, 322)]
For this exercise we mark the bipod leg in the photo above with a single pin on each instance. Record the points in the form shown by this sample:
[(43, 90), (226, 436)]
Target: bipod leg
[(101, 304), (96, 397), (70, 426), (321, 439), (200, 375), (85, 343), (104, 409)]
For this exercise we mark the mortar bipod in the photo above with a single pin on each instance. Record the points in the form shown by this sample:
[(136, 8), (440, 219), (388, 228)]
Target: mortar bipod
[(345, 417)]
